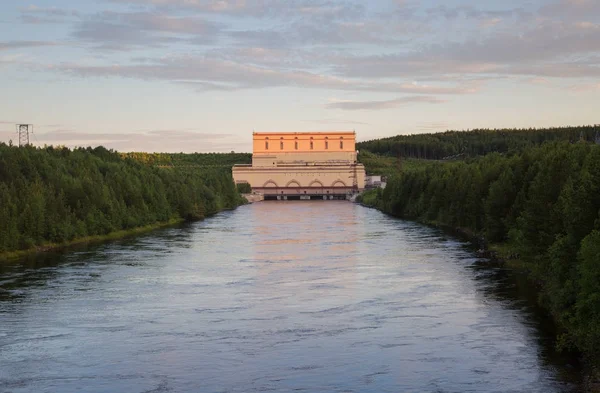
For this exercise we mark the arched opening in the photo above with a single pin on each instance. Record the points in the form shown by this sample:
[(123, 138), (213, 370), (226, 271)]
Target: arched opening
[(339, 183), (316, 183), (270, 184), (293, 184)]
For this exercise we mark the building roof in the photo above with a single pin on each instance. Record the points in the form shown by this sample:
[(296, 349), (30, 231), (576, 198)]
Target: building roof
[(306, 133)]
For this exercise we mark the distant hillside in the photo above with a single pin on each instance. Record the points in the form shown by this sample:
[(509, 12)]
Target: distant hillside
[(191, 159), (454, 144)]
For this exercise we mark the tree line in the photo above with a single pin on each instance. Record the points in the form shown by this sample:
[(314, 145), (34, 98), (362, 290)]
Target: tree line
[(56, 195), (463, 144), (191, 159), (542, 204)]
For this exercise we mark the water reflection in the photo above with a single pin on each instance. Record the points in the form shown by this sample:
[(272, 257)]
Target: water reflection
[(313, 296)]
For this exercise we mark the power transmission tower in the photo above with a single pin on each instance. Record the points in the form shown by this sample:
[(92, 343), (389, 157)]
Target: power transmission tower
[(23, 131)]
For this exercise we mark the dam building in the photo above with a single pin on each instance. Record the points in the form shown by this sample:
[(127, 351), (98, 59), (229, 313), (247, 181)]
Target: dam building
[(303, 165)]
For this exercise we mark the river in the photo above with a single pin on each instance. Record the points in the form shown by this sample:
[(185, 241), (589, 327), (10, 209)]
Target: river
[(274, 296)]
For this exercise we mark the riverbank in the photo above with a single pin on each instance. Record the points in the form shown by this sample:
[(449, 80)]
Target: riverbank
[(11, 255), (503, 254), (115, 235), (500, 253)]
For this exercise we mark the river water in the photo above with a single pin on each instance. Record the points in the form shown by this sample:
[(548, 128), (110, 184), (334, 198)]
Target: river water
[(275, 296)]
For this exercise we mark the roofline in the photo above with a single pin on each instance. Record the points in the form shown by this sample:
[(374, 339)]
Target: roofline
[(305, 133)]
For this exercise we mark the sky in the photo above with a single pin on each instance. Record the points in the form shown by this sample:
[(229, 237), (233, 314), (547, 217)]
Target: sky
[(201, 75)]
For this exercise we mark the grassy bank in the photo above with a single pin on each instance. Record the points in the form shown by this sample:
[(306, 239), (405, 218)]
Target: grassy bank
[(10, 255)]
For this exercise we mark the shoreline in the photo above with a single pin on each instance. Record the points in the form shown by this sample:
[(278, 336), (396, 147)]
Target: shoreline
[(116, 235), (8, 256), (500, 253)]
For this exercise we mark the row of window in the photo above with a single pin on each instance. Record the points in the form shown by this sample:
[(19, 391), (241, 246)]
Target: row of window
[(311, 143)]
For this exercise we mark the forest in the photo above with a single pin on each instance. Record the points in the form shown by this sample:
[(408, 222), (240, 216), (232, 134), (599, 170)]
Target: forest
[(54, 195), (465, 144), (223, 160), (537, 206)]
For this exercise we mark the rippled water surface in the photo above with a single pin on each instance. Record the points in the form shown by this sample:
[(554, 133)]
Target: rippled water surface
[(281, 296)]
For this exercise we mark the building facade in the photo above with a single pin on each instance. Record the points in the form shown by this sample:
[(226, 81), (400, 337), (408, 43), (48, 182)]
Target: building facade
[(303, 165)]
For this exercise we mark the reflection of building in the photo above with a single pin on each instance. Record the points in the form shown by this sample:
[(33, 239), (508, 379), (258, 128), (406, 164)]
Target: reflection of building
[(303, 165)]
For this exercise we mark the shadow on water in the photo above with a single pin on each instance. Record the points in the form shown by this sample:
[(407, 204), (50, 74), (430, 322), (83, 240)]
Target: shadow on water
[(515, 291)]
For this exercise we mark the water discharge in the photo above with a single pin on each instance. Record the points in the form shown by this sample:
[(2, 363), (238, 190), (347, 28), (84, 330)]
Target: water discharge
[(282, 296)]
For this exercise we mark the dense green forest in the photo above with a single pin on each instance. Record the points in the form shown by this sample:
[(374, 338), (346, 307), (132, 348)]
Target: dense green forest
[(540, 207), (376, 164), (55, 195), (463, 144), (225, 160)]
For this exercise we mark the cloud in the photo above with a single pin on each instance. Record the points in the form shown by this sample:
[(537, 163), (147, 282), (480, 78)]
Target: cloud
[(33, 14), (572, 10), (584, 88), (472, 12), (33, 9), (324, 9), (404, 49), (548, 45), (379, 105), (7, 45), (204, 73), (121, 31)]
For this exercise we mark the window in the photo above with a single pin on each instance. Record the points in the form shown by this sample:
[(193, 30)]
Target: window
[(326, 143), (311, 143), (341, 143), (281, 144), (266, 145), (296, 143)]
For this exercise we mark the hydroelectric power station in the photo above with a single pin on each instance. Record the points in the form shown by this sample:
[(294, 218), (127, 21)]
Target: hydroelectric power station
[(303, 165)]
